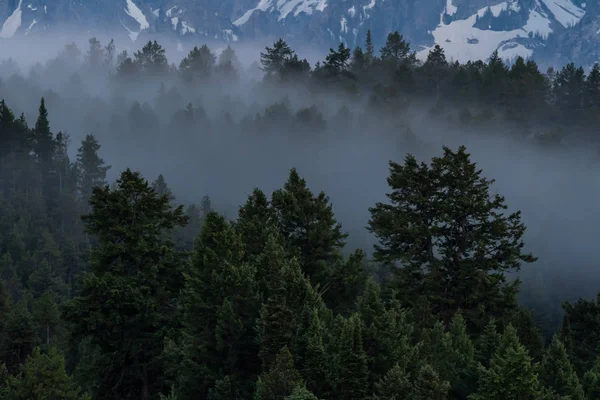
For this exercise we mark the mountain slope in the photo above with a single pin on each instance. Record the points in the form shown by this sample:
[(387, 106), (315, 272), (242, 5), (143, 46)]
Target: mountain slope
[(466, 29)]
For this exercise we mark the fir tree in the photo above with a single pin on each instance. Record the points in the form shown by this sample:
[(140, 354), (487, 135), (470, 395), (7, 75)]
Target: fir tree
[(161, 188), (19, 337), (511, 374), (487, 344), (557, 373), (280, 380), (43, 376), (353, 372), (134, 273), (92, 169), (369, 49), (309, 227), (254, 219), (301, 393), (443, 214)]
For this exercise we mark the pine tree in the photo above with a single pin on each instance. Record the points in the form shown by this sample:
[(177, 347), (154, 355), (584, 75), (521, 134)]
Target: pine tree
[(309, 227), (224, 389), (92, 169), (353, 372), (254, 219), (43, 376), (220, 305), (151, 59), (301, 393), (43, 139), (198, 64), (274, 59), (161, 188), (459, 367), (397, 51), (487, 344), (387, 333), (443, 215), (275, 327), (19, 337), (511, 374), (369, 49), (280, 380), (317, 366), (423, 384), (591, 381), (134, 273), (557, 373)]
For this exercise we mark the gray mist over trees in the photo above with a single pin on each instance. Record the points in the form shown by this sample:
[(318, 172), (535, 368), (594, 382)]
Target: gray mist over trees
[(224, 130)]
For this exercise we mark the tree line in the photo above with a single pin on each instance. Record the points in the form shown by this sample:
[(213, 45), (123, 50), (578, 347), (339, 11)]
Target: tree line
[(141, 298)]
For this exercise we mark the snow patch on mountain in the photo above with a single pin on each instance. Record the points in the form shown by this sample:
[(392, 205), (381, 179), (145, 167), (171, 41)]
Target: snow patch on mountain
[(284, 8), (462, 41), (134, 12), (565, 12), (450, 8), (30, 26), (12, 23)]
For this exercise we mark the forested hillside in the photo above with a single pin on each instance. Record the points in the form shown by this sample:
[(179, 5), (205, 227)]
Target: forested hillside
[(114, 289)]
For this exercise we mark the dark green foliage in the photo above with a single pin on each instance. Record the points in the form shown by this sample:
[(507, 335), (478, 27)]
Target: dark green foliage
[(557, 373), (487, 344), (423, 384), (301, 393), (18, 337), (92, 170), (224, 389), (449, 236), (124, 305), (271, 305), (42, 377), (219, 304), (511, 374), (581, 332), (352, 363), (281, 379), (309, 227)]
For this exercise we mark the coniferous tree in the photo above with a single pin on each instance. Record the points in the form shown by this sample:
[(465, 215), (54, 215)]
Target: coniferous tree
[(219, 306), (43, 376), (557, 373), (591, 381), (134, 273), (301, 393), (254, 219), (317, 367), (161, 188), (353, 372), (460, 224), (198, 64), (92, 169), (488, 343), (423, 384), (280, 380), (19, 337), (369, 49), (275, 327), (309, 227), (511, 374)]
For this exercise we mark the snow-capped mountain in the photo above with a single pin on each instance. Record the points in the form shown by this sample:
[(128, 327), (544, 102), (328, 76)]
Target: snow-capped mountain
[(554, 30)]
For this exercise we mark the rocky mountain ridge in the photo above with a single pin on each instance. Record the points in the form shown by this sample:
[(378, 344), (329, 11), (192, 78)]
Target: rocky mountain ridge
[(554, 31)]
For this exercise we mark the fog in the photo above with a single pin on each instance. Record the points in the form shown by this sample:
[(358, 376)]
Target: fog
[(226, 153)]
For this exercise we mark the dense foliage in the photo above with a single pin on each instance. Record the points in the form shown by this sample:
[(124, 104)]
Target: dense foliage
[(114, 291)]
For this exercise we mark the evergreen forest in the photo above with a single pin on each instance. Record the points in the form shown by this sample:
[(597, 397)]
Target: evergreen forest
[(120, 279)]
